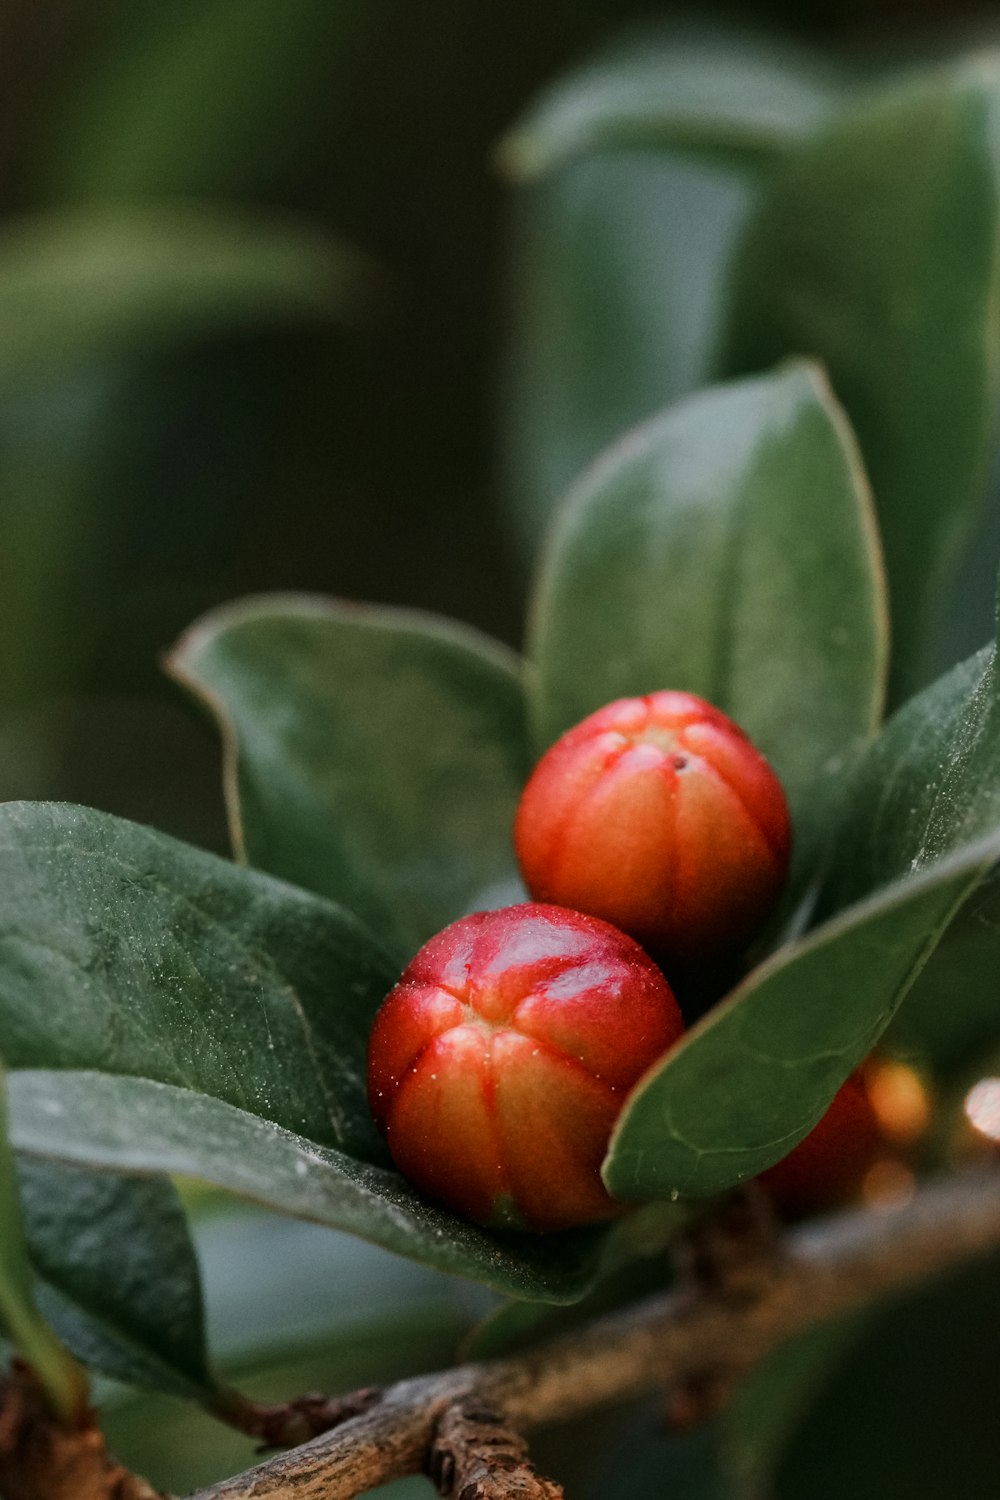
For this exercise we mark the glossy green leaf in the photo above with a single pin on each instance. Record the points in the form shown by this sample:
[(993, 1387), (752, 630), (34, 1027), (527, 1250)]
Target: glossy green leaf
[(755, 1074), (877, 249), (125, 951), (619, 266), (726, 548), (134, 1125), (118, 1279), (372, 755), (702, 92), (621, 255), (19, 1315), (199, 97), (930, 782), (91, 285)]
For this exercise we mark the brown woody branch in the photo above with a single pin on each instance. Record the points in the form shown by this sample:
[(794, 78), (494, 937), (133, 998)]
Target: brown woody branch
[(42, 1458), (476, 1455), (824, 1268)]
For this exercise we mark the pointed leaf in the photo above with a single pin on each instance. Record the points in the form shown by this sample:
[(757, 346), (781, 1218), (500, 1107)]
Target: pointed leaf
[(699, 93), (727, 548), (19, 1315), (134, 1125), (877, 249), (91, 285), (622, 254), (930, 782), (619, 264), (118, 1276), (123, 950), (372, 755), (755, 1075)]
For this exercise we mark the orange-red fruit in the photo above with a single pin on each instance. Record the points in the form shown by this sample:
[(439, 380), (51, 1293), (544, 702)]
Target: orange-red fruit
[(829, 1166), (876, 1118), (658, 815), (500, 1061)]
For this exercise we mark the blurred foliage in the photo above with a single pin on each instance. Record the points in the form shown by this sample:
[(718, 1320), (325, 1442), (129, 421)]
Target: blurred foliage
[(141, 485)]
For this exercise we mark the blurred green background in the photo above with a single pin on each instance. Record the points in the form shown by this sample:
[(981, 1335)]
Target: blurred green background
[(261, 327)]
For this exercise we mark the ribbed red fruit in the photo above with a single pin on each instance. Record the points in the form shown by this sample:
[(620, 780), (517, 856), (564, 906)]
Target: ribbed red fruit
[(658, 815), (500, 1061)]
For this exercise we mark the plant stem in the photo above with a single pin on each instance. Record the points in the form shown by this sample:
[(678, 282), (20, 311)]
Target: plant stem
[(822, 1269)]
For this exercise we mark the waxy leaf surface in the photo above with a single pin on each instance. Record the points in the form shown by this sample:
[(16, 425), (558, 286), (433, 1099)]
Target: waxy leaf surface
[(876, 248), (20, 1318), (755, 1075), (118, 1278), (620, 254), (726, 548), (929, 783), (372, 755), (134, 1125), (701, 93), (125, 951)]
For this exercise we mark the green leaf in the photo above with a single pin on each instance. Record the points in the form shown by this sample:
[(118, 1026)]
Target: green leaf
[(94, 284), (200, 98), (755, 1075), (726, 548), (58, 1371), (375, 756), (134, 1125), (125, 951), (877, 249), (621, 255), (929, 783), (702, 92), (619, 267), (118, 1276)]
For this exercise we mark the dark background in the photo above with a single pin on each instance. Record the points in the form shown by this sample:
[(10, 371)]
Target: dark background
[(143, 486)]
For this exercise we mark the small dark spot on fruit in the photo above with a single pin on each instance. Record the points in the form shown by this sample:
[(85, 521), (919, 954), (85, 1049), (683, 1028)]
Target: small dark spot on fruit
[(679, 762)]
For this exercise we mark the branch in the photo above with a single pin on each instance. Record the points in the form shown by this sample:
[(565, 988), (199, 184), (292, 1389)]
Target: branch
[(824, 1268), (476, 1456), (41, 1456)]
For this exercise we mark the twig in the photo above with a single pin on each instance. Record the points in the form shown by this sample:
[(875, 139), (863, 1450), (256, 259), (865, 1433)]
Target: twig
[(826, 1268), (475, 1455), (43, 1459), (284, 1424)]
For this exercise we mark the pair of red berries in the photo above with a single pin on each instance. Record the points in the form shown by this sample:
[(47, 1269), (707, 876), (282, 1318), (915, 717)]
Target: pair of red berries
[(501, 1060)]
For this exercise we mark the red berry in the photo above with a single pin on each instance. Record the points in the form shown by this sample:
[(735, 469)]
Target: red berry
[(658, 815), (500, 1061), (877, 1116)]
